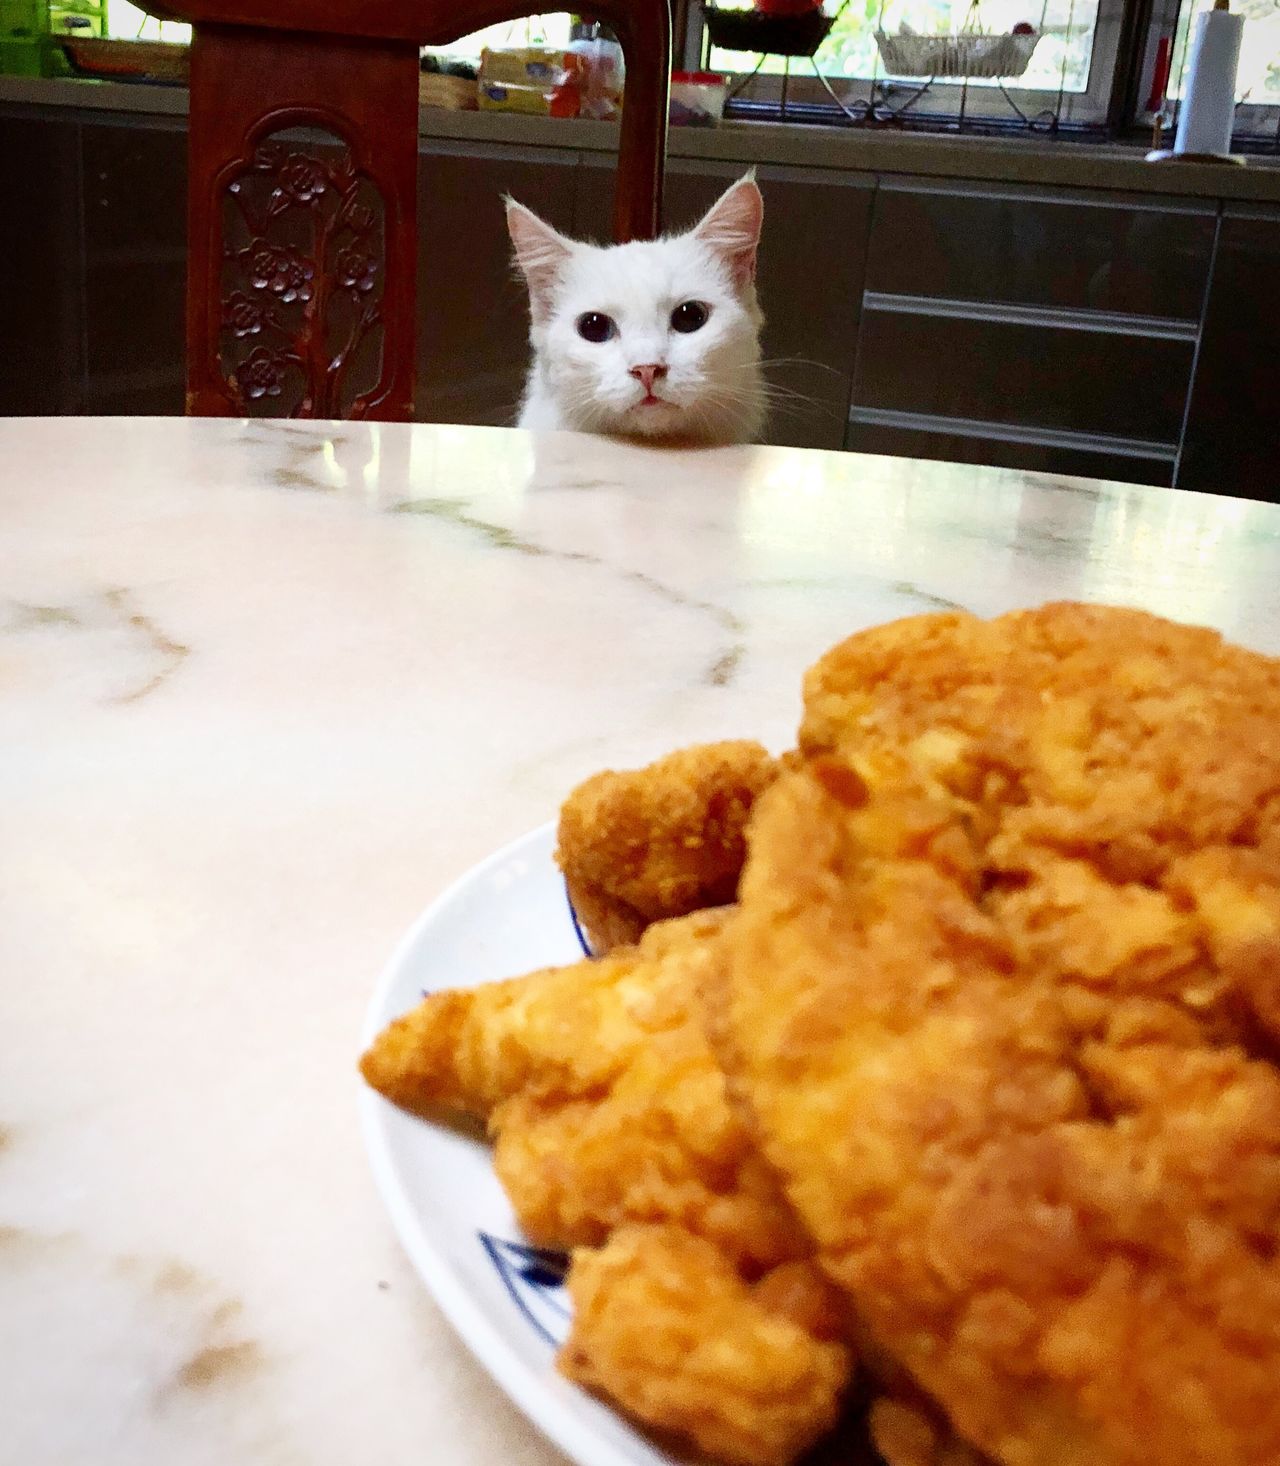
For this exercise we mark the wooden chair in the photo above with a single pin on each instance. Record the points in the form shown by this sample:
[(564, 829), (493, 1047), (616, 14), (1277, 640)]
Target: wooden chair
[(303, 251)]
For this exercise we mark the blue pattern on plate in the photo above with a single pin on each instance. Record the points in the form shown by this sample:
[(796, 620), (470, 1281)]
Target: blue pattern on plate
[(534, 1279), (534, 1276), (577, 925)]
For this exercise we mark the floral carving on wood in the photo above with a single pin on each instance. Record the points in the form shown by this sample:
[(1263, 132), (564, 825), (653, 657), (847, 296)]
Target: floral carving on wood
[(303, 254)]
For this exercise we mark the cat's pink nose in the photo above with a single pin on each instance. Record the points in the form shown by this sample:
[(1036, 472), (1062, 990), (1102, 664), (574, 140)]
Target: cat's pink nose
[(647, 375)]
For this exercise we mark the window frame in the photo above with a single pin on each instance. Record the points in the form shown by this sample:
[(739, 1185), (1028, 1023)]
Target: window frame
[(944, 99), (1255, 122), (1113, 103)]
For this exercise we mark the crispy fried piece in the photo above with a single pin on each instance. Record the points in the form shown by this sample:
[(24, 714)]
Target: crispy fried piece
[(603, 1094), (561, 1033), (665, 1325), (1002, 997), (909, 1433), (609, 1110), (662, 841)]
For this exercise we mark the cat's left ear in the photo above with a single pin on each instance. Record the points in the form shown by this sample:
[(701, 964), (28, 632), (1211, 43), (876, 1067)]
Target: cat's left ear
[(541, 253), (732, 229)]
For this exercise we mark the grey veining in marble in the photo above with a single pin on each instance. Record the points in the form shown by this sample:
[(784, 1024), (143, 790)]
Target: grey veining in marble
[(265, 689)]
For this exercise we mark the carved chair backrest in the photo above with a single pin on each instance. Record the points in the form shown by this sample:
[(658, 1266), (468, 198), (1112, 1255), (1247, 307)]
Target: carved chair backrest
[(302, 191)]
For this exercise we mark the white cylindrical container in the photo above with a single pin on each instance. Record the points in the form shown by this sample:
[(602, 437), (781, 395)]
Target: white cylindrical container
[(1209, 97)]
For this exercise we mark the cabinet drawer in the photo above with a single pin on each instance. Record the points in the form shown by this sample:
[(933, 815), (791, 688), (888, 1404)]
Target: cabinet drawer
[(1038, 248), (1233, 435), (905, 438), (1025, 376)]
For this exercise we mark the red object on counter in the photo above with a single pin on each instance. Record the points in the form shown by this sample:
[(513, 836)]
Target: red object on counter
[(1160, 76), (787, 7)]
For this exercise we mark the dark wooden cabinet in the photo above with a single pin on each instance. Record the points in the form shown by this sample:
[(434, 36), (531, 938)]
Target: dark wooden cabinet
[(1232, 441), (93, 244), (41, 280), (473, 320), (1034, 328), (133, 190)]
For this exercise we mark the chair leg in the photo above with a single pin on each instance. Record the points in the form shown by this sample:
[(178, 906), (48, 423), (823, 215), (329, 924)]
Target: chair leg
[(644, 31), (302, 244)]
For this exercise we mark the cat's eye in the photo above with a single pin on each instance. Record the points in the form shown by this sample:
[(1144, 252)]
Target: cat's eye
[(691, 316), (596, 326)]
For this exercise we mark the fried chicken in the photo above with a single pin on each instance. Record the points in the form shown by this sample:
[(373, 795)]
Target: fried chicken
[(609, 1112), (653, 843), (753, 1373), (603, 1095), (908, 1432), (980, 1072), (1003, 998)]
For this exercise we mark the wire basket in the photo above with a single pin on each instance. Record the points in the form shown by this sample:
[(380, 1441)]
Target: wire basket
[(969, 54)]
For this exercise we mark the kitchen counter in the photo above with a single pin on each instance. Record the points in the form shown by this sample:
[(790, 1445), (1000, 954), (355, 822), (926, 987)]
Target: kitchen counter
[(987, 159)]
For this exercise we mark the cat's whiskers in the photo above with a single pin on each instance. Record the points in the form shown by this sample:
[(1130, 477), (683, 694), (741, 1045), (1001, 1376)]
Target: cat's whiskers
[(584, 404), (730, 395), (808, 361), (784, 399)]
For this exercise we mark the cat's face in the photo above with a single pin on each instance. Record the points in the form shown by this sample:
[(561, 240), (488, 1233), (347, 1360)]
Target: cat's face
[(656, 339)]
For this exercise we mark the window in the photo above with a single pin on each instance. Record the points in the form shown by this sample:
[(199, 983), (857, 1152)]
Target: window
[(1069, 80), (128, 21), (537, 30), (1258, 80), (131, 23), (1068, 75)]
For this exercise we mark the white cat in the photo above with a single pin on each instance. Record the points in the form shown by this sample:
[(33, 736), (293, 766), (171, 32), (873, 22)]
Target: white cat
[(654, 340)]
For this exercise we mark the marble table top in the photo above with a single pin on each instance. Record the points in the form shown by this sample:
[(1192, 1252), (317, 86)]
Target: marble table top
[(264, 690)]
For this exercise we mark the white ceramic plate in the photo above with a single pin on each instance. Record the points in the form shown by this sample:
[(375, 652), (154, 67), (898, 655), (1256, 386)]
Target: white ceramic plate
[(506, 917)]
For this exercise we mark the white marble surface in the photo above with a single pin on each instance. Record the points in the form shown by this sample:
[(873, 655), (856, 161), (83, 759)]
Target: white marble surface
[(264, 690)]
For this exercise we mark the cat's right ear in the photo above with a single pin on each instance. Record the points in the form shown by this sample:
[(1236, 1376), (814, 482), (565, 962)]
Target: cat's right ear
[(732, 228), (540, 252)]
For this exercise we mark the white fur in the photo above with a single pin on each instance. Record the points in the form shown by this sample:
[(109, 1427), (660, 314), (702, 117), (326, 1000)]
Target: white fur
[(712, 391)]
